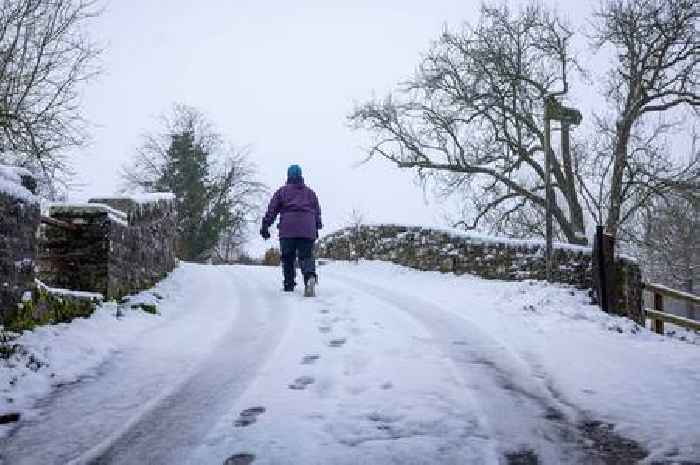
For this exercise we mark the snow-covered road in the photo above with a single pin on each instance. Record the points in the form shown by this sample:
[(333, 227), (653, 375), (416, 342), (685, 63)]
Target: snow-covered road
[(385, 366)]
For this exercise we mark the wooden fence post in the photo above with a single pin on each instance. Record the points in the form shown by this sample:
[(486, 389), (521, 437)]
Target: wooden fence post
[(658, 325), (601, 270)]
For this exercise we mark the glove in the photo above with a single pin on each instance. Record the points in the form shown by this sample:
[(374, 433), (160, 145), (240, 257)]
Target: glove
[(265, 232)]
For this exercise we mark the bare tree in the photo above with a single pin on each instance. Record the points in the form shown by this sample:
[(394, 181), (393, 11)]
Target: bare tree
[(45, 55), (658, 50), (664, 229), (652, 171), (671, 250), (239, 187), (470, 120), (669, 247)]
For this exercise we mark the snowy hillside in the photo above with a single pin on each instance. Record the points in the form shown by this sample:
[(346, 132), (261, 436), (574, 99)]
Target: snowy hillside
[(387, 365)]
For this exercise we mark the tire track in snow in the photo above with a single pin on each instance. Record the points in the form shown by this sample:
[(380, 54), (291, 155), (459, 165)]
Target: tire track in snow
[(526, 417), (156, 438), (157, 419)]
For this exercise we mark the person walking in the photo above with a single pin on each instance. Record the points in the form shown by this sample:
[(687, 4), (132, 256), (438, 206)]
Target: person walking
[(300, 220)]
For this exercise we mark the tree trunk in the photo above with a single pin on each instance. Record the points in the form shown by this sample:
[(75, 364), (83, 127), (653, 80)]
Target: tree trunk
[(621, 141), (690, 306), (569, 190)]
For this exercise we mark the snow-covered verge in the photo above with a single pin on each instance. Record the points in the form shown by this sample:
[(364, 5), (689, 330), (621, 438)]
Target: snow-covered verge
[(611, 369), (37, 361)]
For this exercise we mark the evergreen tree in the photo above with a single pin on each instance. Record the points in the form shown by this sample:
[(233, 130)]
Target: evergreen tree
[(185, 174), (213, 185)]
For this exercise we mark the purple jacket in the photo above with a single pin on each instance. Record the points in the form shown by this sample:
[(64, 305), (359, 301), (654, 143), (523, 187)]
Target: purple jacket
[(300, 213)]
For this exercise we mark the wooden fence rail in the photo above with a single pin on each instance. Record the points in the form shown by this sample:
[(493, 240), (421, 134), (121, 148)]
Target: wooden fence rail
[(657, 314), (58, 223)]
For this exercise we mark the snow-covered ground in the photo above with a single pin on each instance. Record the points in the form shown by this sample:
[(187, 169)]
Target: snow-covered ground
[(386, 365)]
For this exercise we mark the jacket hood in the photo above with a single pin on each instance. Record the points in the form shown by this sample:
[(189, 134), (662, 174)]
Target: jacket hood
[(295, 180)]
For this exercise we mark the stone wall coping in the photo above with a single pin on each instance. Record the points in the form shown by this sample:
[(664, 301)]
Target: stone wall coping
[(69, 293), (11, 183), (153, 197), (474, 238), (79, 209), (470, 237), (139, 199)]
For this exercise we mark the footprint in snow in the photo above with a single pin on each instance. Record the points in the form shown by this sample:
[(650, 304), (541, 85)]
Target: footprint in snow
[(379, 417), (337, 342), (242, 422), (302, 382), (310, 359), (553, 414), (248, 416), (324, 329), (384, 424), (524, 457), (325, 311), (253, 411), (240, 459)]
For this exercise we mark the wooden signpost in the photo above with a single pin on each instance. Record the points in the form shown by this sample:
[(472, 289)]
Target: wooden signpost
[(567, 116)]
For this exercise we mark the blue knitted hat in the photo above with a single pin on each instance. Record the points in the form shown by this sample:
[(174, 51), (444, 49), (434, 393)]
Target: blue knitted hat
[(294, 171)]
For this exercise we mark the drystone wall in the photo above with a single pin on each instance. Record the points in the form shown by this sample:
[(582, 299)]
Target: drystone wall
[(117, 246), (55, 268), (19, 220), (492, 258)]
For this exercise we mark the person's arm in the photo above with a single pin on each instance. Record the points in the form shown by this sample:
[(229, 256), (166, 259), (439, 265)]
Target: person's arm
[(317, 206), (273, 210)]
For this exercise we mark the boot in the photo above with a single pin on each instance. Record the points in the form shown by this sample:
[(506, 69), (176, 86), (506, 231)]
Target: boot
[(310, 285)]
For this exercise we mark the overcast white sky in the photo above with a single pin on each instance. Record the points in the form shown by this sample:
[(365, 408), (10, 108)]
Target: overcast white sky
[(279, 76)]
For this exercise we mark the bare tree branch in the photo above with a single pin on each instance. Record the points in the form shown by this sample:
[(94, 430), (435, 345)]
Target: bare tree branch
[(45, 56), (473, 112), (658, 51)]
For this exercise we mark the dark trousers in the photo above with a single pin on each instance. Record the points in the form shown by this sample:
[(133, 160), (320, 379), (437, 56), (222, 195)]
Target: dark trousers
[(304, 249)]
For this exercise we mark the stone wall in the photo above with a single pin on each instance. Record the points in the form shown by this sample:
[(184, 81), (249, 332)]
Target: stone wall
[(19, 220), (492, 258), (118, 246)]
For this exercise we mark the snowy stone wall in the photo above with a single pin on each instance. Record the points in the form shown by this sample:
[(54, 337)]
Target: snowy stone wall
[(19, 220), (456, 252), (119, 246)]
